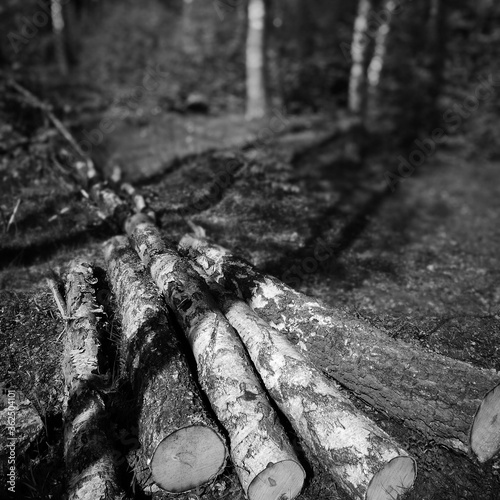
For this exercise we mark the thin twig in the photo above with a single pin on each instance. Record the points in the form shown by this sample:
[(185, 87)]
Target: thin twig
[(13, 216), (61, 305), (37, 103)]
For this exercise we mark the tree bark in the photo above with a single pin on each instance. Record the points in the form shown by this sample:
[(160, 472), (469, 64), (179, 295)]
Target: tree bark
[(360, 48), (435, 394), (378, 59), (365, 461), (263, 457), (256, 64), (87, 450), (179, 441), (58, 32)]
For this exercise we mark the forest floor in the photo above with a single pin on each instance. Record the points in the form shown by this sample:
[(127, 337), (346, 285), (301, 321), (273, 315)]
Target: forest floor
[(420, 262)]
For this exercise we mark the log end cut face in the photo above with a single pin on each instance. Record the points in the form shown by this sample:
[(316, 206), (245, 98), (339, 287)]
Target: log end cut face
[(188, 458), (485, 432), (395, 479), (279, 481)]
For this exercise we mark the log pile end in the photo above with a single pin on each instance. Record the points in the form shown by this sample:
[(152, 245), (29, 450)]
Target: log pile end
[(393, 480), (187, 458), (279, 481), (485, 431)]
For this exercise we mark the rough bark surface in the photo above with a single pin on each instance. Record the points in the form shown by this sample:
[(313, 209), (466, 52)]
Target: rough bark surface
[(360, 48), (110, 205), (435, 394), (87, 450), (263, 457), (180, 442), (351, 446)]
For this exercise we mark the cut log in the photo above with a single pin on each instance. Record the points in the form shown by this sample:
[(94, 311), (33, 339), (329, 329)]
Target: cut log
[(87, 448), (179, 440), (435, 394), (485, 432), (265, 462), (365, 460)]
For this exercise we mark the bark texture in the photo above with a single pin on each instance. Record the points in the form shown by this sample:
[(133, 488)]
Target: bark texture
[(435, 394), (263, 457), (379, 52), (110, 205), (87, 448), (351, 446), (180, 442), (360, 50)]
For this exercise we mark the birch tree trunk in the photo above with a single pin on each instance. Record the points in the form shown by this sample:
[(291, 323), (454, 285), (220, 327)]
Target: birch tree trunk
[(58, 33), (264, 459), (360, 49), (365, 461), (441, 397), (88, 453), (256, 64), (378, 59), (180, 442)]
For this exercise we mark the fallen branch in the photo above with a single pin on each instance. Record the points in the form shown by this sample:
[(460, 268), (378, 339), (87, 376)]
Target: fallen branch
[(179, 440), (12, 218), (34, 101), (87, 450), (263, 457), (364, 459), (435, 394)]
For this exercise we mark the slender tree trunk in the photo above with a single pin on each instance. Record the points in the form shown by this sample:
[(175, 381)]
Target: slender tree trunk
[(440, 396), (378, 59), (360, 48), (256, 64), (58, 33), (87, 447), (180, 442)]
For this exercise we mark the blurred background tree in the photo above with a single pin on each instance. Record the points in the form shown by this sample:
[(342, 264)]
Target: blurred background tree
[(394, 63)]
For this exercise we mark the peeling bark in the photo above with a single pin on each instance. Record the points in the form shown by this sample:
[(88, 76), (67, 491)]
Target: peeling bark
[(365, 460), (265, 462), (87, 448), (110, 205), (435, 394), (180, 442)]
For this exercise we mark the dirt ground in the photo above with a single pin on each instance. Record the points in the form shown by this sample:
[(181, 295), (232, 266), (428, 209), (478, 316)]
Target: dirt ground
[(421, 262)]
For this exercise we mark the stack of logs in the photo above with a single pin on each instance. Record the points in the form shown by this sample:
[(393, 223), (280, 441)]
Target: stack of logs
[(264, 355)]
